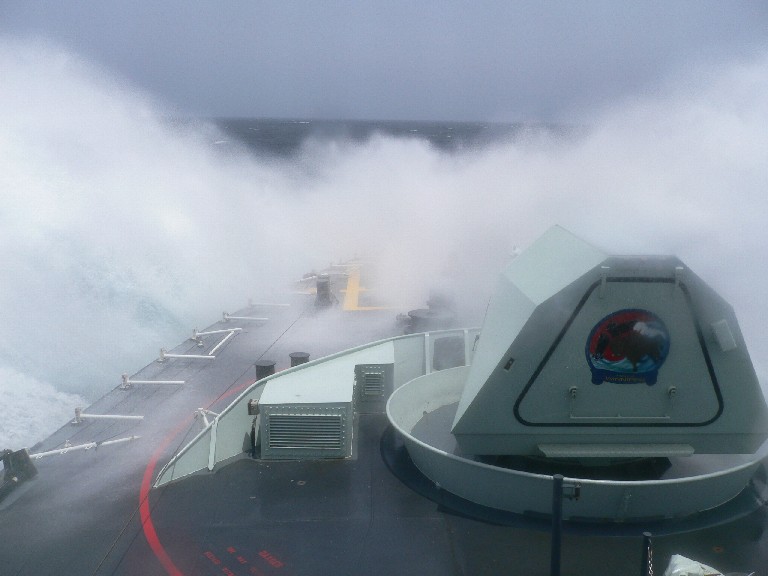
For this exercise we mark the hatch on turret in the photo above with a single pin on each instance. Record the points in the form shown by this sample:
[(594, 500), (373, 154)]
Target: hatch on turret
[(583, 354)]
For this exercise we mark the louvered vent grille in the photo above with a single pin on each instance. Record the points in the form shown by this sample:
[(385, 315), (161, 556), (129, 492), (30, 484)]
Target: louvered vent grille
[(304, 431), (373, 384)]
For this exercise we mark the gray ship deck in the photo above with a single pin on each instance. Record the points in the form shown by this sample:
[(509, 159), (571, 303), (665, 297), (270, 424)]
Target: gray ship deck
[(93, 511)]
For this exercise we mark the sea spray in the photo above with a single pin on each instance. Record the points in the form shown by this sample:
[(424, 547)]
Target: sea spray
[(121, 230)]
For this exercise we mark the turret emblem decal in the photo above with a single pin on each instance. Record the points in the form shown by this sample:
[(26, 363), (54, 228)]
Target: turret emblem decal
[(627, 347)]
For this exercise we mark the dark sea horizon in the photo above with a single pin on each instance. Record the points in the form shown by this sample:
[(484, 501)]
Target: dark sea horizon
[(284, 137)]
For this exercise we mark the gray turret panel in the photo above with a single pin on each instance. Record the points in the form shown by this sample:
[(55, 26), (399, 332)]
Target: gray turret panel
[(554, 261), (598, 352)]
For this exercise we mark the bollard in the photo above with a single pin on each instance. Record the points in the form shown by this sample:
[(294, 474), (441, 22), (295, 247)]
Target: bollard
[(323, 296), (299, 358), (264, 368)]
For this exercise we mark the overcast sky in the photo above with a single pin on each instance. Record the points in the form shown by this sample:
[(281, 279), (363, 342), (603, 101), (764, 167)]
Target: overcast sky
[(507, 61)]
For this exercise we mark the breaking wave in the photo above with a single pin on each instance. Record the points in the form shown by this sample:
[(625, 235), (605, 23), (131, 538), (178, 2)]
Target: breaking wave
[(121, 230)]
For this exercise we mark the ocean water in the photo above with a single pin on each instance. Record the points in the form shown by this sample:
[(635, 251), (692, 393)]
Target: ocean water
[(284, 138), (122, 227), (92, 297)]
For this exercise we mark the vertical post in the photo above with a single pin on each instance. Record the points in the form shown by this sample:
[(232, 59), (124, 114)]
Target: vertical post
[(557, 524), (264, 368), (647, 566), (253, 439), (298, 358)]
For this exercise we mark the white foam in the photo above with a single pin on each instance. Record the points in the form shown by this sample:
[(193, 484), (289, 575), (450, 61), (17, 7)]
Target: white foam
[(120, 233), (31, 410)]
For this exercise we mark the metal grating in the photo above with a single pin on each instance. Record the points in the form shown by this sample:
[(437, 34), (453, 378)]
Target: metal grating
[(373, 383), (304, 431)]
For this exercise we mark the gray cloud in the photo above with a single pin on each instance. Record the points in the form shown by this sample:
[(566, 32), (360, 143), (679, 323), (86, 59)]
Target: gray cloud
[(546, 61)]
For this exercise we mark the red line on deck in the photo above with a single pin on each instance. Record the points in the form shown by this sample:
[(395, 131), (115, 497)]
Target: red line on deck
[(146, 484)]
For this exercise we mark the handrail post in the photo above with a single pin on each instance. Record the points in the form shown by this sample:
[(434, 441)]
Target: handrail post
[(557, 524), (647, 565), (571, 491)]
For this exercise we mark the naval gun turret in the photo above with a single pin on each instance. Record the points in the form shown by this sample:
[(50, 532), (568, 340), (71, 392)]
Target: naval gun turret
[(585, 355), (627, 375)]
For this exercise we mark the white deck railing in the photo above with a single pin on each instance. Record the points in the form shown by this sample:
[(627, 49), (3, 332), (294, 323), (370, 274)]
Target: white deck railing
[(87, 446), (127, 382), (80, 416)]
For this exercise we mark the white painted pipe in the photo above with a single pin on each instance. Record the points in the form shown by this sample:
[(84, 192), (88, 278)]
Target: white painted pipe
[(83, 416), (164, 355), (86, 446), (220, 344), (156, 381), (204, 413), (195, 334), (75, 448), (228, 317), (127, 382)]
